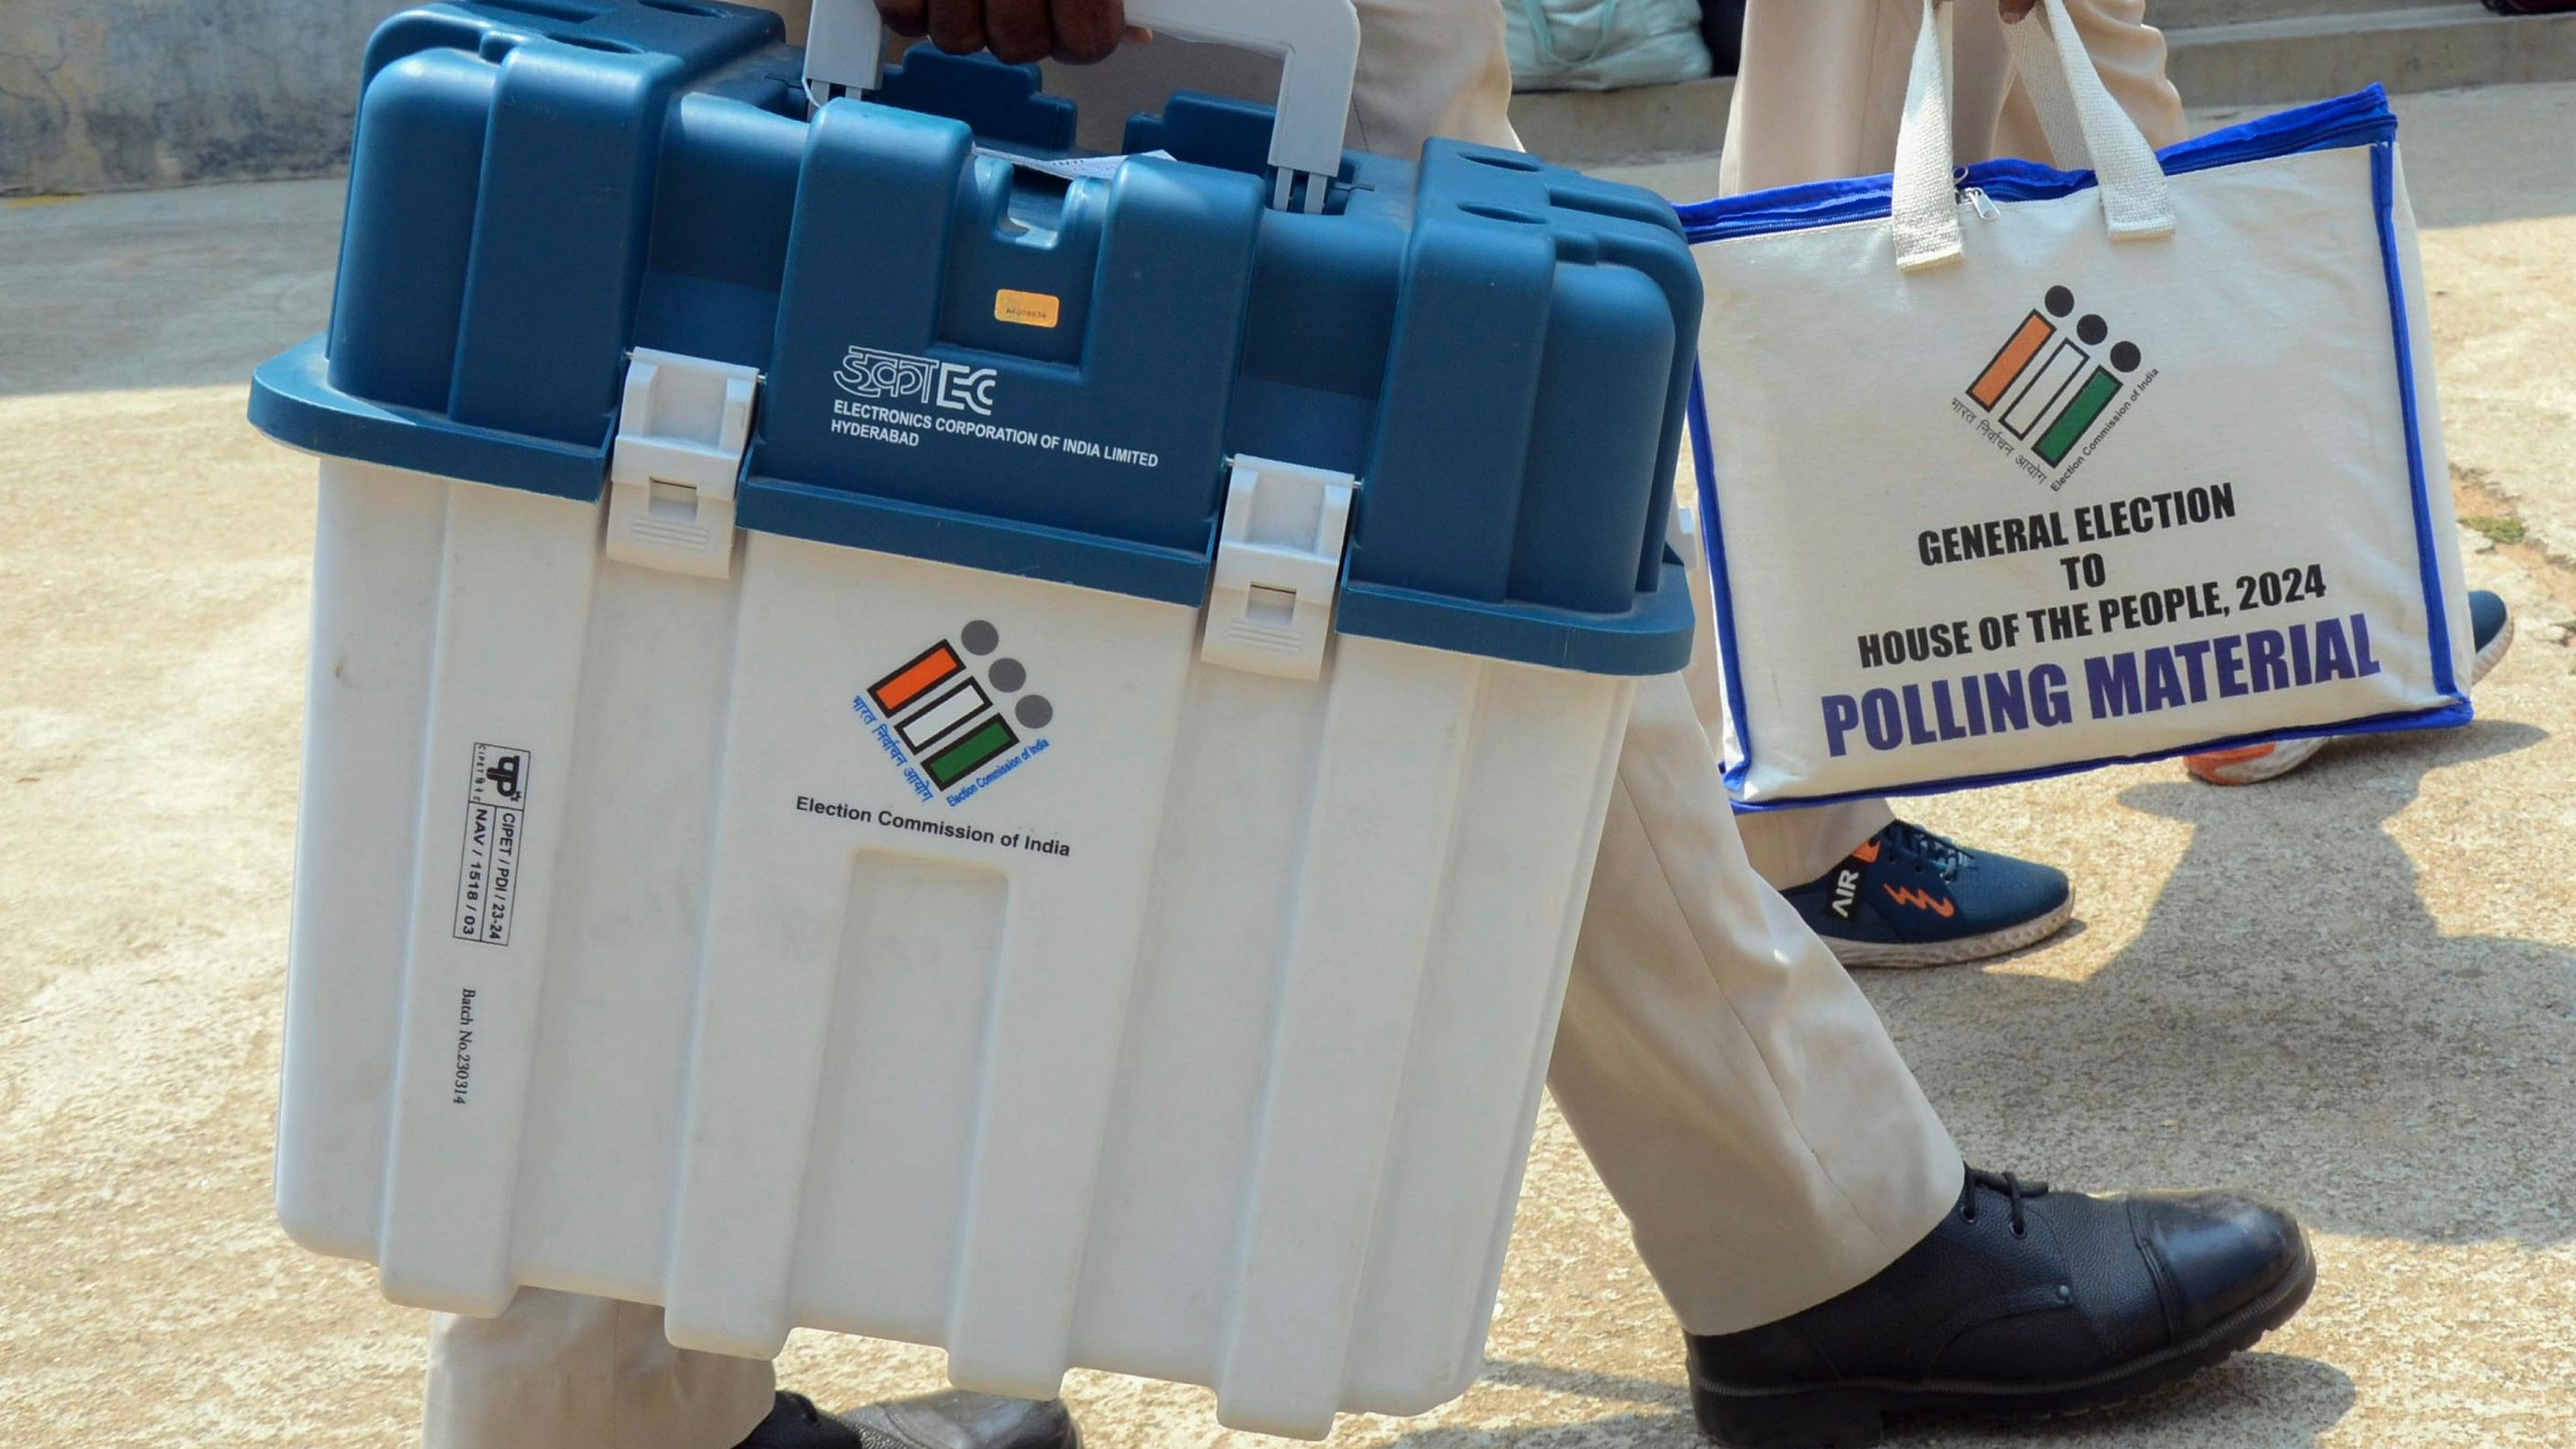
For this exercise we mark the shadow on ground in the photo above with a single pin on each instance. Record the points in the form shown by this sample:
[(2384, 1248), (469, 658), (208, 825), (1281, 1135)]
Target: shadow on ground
[(2291, 1018)]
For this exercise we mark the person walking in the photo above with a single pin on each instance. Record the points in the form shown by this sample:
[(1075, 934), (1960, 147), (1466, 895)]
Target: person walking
[(1829, 1256)]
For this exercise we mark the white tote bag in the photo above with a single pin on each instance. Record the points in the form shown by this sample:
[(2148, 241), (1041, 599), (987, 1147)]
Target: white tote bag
[(2013, 470)]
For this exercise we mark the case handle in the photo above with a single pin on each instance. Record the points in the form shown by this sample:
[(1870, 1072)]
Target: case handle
[(1317, 41)]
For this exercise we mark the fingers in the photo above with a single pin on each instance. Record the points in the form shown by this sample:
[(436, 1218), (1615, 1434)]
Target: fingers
[(1019, 31), (957, 26), (1087, 30)]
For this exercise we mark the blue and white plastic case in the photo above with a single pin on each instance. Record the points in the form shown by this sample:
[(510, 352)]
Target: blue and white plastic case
[(1501, 349), (901, 921)]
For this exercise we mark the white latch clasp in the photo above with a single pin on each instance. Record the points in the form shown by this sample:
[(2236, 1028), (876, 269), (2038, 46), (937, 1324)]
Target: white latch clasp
[(1278, 564), (681, 432)]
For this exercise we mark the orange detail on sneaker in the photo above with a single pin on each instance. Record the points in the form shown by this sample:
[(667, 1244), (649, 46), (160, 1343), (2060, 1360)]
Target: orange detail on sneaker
[(1921, 900), (1867, 851), (2252, 764), (2234, 756)]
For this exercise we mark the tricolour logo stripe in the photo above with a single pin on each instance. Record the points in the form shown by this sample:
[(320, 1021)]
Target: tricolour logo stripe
[(914, 679), (970, 754), (2018, 350), (2061, 436), (2044, 389), (955, 709), (2048, 383), (943, 714)]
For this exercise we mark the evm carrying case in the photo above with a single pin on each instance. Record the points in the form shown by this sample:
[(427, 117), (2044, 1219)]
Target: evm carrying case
[(917, 735)]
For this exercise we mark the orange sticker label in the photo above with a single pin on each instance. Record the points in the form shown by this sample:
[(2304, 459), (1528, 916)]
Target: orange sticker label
[(1029, 309)]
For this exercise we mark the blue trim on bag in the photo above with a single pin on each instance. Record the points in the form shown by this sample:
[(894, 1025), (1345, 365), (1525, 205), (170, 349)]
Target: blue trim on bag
[(2360, 119), (2431, 717), (1720, 597), (2383, 195)]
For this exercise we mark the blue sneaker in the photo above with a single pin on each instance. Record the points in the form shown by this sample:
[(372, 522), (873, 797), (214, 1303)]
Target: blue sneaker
[(2490, 628), (1908, 897)]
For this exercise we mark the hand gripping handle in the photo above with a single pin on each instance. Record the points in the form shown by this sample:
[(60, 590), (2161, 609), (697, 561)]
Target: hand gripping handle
[(1317, 41)]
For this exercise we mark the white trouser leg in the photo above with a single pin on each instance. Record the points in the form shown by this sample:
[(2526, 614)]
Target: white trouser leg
[(1787, 848), (1823, 84), (1733, 1088), (566, 1371)]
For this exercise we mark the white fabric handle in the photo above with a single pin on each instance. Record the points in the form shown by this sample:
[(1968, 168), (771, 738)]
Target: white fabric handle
[(2034, 57), (1922, 202), (2085, 128)]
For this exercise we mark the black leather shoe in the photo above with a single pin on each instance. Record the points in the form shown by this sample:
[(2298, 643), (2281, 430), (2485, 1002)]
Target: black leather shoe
[(951, 1420), (2023, 1302), (794, 1423)]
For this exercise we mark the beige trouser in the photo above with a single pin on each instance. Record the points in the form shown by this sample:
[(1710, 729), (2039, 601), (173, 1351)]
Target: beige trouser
[(1822, 84), (1735, 1092)]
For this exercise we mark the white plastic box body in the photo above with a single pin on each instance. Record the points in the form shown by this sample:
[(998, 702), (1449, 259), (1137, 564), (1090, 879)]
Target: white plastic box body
[(628, 959)]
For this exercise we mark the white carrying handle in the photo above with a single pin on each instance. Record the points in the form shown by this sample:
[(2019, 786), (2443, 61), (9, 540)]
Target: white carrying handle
[(2085, 128), (1317, 41)]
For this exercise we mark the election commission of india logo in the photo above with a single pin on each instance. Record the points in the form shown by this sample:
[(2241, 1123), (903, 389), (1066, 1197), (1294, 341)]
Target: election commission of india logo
[(958, 716), (2052, 380)]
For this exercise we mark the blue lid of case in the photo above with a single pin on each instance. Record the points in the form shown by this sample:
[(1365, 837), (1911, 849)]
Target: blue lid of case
[(970, 358)]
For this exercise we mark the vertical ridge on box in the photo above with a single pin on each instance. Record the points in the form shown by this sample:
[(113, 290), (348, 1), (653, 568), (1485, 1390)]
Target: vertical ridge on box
[(1356, 954), (1483, 1033), (1040, 1136), (767, 972), (917, 963), (514, 609), (376, 580)]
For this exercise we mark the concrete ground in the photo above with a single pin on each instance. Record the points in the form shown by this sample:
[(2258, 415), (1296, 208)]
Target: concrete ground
[(2353, 991)]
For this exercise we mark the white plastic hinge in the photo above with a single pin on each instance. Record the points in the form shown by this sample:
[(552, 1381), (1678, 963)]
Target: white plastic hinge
[(680, 438), (1284, 195), (1278, 563), (844, 46)]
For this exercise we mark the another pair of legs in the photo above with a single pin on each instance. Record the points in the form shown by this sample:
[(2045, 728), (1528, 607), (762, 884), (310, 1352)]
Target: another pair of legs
[(1818, 98), (1827, 1253)]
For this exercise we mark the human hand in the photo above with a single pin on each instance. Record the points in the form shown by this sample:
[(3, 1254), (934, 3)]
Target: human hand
[(2014, 10), (1017, 31)]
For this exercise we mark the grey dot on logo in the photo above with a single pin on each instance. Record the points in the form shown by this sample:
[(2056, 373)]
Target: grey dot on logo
[(2092, 329), (1007, 674), (979, 637), (1033, 712)]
